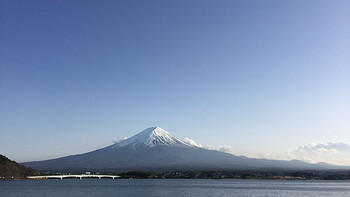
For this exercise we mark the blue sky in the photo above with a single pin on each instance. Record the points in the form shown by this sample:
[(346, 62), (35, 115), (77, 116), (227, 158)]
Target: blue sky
[(263, 77)]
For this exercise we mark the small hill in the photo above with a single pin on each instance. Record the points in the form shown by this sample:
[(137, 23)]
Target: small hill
[(12, 170)]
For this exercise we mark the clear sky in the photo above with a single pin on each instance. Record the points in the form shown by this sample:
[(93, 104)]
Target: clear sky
[(261, 78)]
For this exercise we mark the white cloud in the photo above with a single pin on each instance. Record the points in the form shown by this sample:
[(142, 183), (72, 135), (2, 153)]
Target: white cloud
[(330, 152), (226, 149), (223, 148), (263, 155), (191, 142), (120, 140)]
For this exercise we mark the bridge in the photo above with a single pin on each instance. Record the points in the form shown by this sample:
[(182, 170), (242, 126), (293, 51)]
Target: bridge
[(76, 176)]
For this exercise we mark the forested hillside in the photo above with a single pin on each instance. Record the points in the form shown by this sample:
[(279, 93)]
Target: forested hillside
[(12, 170)]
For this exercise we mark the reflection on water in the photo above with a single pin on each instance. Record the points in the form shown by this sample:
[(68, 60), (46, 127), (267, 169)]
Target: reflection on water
[(172, 187)]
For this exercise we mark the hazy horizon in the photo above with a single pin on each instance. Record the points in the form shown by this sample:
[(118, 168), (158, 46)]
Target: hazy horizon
[(264, 79)]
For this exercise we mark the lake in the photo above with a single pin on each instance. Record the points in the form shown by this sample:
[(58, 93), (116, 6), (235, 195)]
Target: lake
[(172, 187)]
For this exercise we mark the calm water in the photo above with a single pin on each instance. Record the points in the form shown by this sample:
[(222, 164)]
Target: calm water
[(171, 187)]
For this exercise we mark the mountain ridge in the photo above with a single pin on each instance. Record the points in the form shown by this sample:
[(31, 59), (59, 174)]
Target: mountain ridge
[(156, 149)]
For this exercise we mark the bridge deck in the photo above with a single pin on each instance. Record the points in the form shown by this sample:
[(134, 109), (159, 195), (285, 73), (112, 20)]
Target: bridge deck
[(77, 176)]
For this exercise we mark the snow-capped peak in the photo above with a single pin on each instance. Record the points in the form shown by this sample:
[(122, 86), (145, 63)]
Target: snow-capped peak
[(153, 136)]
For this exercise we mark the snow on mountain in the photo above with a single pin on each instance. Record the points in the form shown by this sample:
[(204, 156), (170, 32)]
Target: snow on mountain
[(153, 136)]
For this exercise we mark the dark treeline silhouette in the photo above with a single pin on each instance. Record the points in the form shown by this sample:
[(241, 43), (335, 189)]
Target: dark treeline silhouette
[(275, 174)]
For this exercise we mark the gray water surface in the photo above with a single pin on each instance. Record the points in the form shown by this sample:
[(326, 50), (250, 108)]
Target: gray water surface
[(172, 187)]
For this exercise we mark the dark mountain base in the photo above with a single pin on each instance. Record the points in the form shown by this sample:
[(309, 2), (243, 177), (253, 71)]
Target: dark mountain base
[(161, 158)]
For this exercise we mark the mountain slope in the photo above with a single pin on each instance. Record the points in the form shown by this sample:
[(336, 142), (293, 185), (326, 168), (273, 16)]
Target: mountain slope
[(156, 149), (12, 170)]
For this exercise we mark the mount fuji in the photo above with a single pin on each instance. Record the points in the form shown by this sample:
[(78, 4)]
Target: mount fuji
[(156, 149)]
